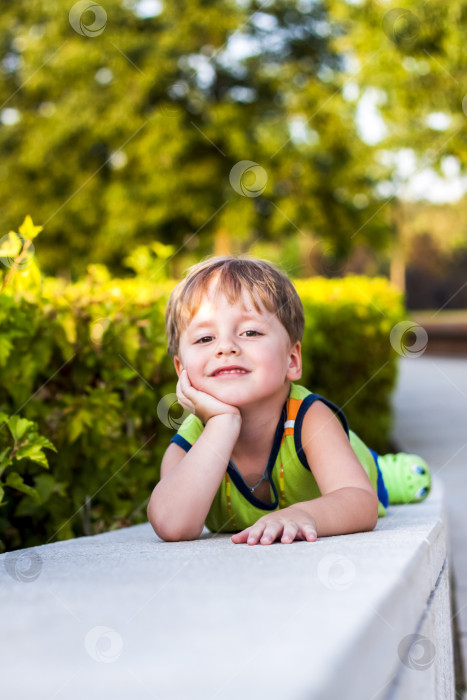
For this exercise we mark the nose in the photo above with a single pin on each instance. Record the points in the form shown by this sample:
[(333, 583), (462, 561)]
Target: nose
[(226, 346)]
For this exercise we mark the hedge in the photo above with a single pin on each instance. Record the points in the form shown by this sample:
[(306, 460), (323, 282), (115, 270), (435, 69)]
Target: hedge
[(87, 391)]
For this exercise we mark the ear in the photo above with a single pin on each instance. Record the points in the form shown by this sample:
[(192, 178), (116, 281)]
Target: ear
[(294, 371), (178, 365)]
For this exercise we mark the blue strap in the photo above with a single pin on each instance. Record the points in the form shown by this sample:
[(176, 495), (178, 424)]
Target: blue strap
[(383, 495)]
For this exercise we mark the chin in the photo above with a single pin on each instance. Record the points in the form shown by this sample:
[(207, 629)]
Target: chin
[(237, 396), (225, 393)]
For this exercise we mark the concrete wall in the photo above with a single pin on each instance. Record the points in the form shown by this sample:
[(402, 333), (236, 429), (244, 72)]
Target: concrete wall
[(126, 616)]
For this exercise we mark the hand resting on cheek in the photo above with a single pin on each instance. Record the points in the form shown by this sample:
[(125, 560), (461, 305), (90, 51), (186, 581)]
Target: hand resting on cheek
[(203, 405)]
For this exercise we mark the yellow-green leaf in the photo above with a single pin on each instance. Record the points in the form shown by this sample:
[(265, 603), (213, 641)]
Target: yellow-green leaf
[(16, 482), (10, 247), (28, 230), (81, 420), (18, 426)]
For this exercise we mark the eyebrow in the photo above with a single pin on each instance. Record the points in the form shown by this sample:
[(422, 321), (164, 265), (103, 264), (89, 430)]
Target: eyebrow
[(254, 315)]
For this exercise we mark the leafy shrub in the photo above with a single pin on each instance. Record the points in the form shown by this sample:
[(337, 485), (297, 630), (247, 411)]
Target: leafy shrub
[(84, 373), (346, 351)]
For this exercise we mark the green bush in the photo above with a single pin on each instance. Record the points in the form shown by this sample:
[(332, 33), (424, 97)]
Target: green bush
[(346, 352), (84, 373)]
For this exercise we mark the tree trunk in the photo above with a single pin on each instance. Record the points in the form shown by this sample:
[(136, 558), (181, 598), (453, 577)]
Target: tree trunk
[(222, 242), (398, 267)]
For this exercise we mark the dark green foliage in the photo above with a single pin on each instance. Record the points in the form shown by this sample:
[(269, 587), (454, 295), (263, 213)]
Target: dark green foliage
[(86, 363), (130, 135), (346, 349)]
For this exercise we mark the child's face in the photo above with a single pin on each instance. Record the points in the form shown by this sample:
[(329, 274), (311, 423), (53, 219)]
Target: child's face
[(221, 334)]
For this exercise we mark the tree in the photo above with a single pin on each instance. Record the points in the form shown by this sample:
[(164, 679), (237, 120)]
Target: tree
[(412, 67), (123, 126)]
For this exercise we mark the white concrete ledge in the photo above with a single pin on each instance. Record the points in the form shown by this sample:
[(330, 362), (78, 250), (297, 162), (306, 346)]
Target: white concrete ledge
[(126, 616)]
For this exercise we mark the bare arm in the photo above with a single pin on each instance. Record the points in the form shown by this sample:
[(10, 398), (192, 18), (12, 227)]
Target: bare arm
[(348, 502), (341, 512), (180, 502)]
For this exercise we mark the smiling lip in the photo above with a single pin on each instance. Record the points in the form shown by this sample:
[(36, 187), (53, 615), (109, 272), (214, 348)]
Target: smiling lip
[(233, 369)]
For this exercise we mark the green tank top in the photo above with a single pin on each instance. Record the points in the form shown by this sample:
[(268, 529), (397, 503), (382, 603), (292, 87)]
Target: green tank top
[(235, 507)]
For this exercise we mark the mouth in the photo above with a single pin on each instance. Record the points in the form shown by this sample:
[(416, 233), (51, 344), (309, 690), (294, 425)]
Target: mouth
[(229, 372)]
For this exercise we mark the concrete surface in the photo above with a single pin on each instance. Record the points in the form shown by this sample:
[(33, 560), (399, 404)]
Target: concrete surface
[(431, 420), (126, 616)]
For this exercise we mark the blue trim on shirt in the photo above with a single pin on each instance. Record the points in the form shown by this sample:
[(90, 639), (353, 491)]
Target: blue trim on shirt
[(238, 479), (383, 495), (179, 440), (305, 405)]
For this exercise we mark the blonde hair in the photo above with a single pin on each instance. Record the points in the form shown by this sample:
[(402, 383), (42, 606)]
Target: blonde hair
[(273, 287)]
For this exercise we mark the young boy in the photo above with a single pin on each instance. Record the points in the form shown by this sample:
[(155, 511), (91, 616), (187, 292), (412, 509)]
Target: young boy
[(261, 455)]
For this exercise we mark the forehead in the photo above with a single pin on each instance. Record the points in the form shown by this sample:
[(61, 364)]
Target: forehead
[(214, 301)]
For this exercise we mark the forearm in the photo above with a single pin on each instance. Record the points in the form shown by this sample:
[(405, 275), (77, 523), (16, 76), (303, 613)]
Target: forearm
[(181, 501), (342, 512)]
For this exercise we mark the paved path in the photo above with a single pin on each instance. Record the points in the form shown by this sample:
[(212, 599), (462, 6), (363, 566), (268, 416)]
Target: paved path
[(431, 420)]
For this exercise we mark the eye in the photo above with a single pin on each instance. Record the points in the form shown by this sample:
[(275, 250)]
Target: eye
[(206, 337), (255, 332)]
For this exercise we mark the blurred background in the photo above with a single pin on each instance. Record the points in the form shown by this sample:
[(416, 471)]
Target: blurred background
[(121, 123), (139, 137)]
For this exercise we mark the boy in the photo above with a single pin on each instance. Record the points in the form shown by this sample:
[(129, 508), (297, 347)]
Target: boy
[(260, 454)]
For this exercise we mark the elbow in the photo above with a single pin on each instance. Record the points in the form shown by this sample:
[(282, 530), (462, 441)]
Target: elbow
[(157, 522), (372, 511), (158, 525), (164, 530), (371, 525), (365, 511)]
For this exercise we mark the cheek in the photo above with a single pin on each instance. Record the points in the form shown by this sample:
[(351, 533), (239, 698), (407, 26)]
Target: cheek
[(194, 365)]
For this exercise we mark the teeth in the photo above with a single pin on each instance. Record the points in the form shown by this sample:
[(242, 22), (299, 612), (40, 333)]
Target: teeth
[(232, 371)]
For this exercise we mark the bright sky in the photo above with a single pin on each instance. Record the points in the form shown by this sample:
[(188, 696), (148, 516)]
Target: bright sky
[(415, 182)]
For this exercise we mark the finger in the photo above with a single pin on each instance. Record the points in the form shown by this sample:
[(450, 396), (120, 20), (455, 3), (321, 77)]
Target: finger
[(271, 531), (183, 380), (242, 536), (309, 533), (179, 389), (290, 531), (186, 379), (188, 389), (255, 534), (182, 399)]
